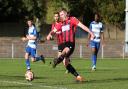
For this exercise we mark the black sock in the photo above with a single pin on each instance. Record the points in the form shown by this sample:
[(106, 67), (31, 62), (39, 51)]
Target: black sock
[(72, 70), (59, 59)]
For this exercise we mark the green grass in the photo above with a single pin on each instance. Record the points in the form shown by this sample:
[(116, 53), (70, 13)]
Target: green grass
[(110, 74)]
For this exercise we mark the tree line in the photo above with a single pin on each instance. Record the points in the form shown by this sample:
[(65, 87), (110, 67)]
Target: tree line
[(111, 11)]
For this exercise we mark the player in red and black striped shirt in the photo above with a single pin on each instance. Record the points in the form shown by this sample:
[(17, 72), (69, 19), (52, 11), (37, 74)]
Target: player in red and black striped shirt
[(68, 35), (56, 29)]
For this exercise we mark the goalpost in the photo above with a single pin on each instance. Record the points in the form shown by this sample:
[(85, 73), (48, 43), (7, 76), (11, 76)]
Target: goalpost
[(126, 26)]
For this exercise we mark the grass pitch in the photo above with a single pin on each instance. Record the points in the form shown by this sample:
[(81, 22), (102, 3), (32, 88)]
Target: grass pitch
[(110, 74)]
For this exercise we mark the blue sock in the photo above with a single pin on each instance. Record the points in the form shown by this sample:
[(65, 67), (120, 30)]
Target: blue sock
[(38, 58), (94, 59), (28, 64)]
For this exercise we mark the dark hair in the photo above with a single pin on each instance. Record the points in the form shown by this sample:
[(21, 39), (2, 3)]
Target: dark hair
[(97, 15), (63, 9), (30, 19), (56, 13)]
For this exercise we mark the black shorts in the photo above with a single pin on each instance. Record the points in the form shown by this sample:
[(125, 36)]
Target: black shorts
[(70, 45), (60, 47)]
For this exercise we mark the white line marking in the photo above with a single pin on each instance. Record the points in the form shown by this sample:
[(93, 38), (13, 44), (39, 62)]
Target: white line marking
[(30, 84), (15, 82)]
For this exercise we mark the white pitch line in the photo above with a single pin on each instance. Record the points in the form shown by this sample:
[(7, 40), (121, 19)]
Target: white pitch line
[(15, 82), (30, 84), (51, 87)]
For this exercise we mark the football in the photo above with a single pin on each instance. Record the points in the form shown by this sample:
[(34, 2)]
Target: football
[(29, 75)]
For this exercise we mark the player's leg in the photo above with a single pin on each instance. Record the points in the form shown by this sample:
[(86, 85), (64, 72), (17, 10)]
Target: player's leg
[(41, 57), (68, 64), (94, 55), (70, 68), (59, 59), (97, 46), (27, 58), (65, 64), (34, 58)]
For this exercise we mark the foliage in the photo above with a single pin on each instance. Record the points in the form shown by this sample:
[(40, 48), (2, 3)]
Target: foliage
[(18, 9), (112, 11)]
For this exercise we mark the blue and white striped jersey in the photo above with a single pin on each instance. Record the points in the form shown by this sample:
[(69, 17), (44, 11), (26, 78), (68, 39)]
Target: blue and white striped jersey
[(32, 32), (96, 28)]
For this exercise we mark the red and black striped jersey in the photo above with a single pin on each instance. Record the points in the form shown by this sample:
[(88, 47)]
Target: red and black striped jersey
[(68, 30), (57, 26)]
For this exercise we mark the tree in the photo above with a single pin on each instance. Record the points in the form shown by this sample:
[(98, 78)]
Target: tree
[(17, 9)]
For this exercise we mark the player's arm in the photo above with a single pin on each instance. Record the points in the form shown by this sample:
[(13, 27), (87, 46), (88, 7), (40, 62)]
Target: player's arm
[(89, 36), (86, 29), (24, 39), (51, 33), (31, 37), (88, 40)]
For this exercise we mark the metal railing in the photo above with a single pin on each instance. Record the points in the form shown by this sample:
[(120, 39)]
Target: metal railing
[(14, 50)]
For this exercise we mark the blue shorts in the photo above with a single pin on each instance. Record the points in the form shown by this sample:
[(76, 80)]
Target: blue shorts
[(94, 44), (31, 51)]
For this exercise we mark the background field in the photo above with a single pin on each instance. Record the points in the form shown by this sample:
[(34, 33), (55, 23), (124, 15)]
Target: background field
[(110, 74)]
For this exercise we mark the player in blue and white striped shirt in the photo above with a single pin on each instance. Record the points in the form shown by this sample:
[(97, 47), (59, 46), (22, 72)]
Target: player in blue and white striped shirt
[(97, 28), (31, 37)]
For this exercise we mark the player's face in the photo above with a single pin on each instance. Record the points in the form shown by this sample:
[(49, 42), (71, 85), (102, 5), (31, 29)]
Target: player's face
[(56, 17), (29, 23), (63, 15), (96, 18)]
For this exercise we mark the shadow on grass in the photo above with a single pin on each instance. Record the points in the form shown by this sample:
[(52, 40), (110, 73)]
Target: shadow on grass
[(15, 86), (97, 70), (11, 77), (107, 80), (91, 81)]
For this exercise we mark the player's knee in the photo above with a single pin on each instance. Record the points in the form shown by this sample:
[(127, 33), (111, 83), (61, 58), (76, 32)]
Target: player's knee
[(26, 56), (93, 51), (65, 62), (67, 49)]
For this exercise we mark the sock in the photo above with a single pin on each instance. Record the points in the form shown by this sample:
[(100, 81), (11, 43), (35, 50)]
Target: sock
[(38, 58), (94, 59), (28, 64), (59, 59), (72, 70)]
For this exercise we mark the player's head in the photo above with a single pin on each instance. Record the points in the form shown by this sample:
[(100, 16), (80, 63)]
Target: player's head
[(97, 17), (63, 14), (56, 16), (29, 22)]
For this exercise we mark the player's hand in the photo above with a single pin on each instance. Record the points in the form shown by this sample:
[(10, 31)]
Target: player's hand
[(87, 44), (28, 37), (23, 39), (49, 37), (92, 36)]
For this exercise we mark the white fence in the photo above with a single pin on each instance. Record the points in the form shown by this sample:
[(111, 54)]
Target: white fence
[(14, 50)]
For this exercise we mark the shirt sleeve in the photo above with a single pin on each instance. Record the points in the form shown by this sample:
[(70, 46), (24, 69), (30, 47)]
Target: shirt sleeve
[(102, 28), (74, 21), (90, 27), (35, 32)]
